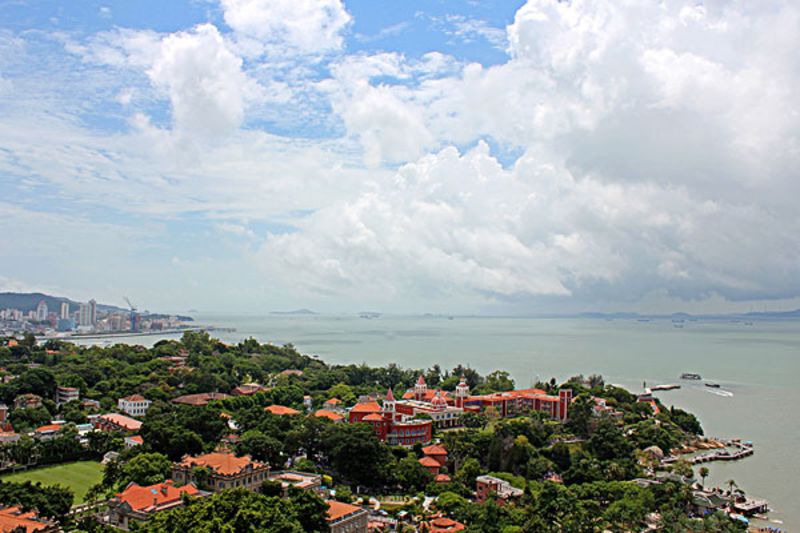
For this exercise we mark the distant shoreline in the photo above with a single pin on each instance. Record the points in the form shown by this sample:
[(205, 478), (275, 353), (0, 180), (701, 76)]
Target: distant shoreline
[(120, 334)]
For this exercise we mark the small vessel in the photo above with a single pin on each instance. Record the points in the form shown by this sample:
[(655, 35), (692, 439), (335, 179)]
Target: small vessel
[(691, 375), (712, 385), (678, 325)]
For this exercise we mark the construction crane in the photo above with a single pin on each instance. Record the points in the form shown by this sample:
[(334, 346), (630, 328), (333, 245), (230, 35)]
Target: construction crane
[(134, 317)]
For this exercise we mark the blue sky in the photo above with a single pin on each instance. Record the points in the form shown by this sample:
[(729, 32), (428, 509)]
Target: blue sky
[(457, 157)]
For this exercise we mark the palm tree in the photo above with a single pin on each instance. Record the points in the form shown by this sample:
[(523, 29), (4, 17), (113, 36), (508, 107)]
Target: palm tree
[(704, 474), (731, 483)]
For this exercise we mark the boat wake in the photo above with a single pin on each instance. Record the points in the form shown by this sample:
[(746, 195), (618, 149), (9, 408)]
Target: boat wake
[(718, 392)]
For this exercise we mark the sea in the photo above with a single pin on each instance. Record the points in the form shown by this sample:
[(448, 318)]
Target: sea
[(757, 366)]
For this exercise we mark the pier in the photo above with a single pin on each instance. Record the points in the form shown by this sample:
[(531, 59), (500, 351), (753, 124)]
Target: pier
[(741, 451)]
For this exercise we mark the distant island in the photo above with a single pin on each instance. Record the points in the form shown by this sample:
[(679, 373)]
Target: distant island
[(295, 312)]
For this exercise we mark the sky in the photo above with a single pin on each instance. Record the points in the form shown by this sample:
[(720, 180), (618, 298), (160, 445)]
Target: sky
[(405, 157)]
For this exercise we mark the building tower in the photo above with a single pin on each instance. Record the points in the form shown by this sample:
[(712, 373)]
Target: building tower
[(564, 399), (389, 406), (64, 310), (438, 402), (420, 389), (93, 312), (41, 311), (462, 391)]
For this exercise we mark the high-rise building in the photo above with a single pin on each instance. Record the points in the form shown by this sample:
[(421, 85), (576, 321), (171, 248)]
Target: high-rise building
[(87, 314), (64, 310), (41, 311)]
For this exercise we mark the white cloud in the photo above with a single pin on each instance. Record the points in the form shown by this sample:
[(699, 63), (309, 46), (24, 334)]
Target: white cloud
[(456, 225), (204, 79), (309, 26), (657, 147)]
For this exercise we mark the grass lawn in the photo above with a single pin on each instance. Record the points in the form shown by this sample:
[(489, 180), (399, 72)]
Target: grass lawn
[(76, 476)]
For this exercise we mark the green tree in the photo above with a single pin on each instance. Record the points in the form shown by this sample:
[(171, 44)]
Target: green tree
[(145, 469)]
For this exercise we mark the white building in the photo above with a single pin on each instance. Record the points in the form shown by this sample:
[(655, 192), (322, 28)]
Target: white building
[(41, 311), (134, 405), (64, 310), (87, 314), (67, 394)]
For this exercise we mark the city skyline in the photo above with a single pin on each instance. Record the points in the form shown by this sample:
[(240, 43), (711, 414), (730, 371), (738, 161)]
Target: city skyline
[(500, 158)]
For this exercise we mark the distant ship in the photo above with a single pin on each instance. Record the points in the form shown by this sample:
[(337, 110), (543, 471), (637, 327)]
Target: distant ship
[(691, 375), (369, 315), (713, 385)]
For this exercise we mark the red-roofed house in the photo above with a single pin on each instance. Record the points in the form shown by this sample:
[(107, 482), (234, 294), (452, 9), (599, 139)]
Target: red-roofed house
[(14, 520), (431, 465), (330, 415), (135, 440), (281, 410), (117, 422), (47, 431), (441, 524), (436, 451), (346, 518), (389, 424), (134, 405), (226, 471), (247, 389), (200, 399), (138, 503)]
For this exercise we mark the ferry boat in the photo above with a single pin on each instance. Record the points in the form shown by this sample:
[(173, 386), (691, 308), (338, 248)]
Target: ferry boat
[(692, 376)]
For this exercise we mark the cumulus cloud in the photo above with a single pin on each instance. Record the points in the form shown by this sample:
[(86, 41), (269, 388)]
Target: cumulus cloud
[(308, 26), (655, 148), (456, 224), (204, 80), (197, 71)]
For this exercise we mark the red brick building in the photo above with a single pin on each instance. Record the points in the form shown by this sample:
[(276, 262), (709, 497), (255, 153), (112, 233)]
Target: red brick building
[(391, 426)]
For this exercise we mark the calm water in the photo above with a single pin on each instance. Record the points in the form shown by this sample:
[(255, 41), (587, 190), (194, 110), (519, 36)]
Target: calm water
[(759, 365)]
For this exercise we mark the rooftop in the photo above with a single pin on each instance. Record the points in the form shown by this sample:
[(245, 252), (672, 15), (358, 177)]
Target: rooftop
[(281, 410), (155, 496), (134, 398), (222, 463), (366, 407), (434, 449), (339, 510), (325, 413), (13, 519), (125, 422), (200, 399)]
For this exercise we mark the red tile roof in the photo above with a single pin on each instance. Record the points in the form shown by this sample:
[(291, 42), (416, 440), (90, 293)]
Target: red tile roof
[(337, 510), (125, 422), (200, 399), (281, 410), (137, 439), (366, 407), (434, 449), (429, 462), (150, 498), (442, 478), (324, 413), (48, 428), (223, 463), (373, 417), (334, 401), (444, 525), (134, 398), (13, 519)]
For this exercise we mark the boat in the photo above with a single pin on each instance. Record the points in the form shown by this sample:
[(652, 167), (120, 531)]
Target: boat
[(713, 385), (691, 375)]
